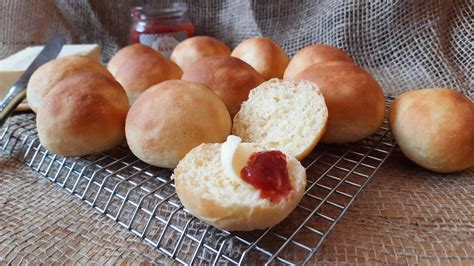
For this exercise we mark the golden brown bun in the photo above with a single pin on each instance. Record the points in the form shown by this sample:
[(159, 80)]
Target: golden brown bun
[(313, 54), (127, 53), (195, 48), (263, 54), (141, 71), (435, 128), (230, 78), (171, 118), (229, 203), (83, 114), (51, 73), (355, 101)]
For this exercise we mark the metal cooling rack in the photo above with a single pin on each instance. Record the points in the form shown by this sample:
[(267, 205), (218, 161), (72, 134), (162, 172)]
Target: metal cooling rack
[(142, 198)]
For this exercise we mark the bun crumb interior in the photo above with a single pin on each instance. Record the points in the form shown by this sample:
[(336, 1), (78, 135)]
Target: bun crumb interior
[(283, 115), (227, 202)]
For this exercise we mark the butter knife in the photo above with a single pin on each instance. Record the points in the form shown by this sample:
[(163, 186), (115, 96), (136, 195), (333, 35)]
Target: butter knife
[(17, 92)]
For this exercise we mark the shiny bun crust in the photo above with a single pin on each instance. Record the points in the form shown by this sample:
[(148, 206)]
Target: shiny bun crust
[(171, 118), (51, 73), (230, 78), (264, 55), (83, 114), (128, 52), (192, 49), (354, 99), (313, 54), (143, 70), (435, 128)]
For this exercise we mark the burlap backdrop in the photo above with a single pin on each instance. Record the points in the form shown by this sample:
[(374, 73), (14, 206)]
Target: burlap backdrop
[(405, 44)]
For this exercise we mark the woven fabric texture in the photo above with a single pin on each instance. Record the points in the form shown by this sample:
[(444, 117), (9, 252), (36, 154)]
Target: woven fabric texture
[(405, 44), (40, 222), (404, 216)]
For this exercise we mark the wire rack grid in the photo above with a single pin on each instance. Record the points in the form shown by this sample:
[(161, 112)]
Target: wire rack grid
[(142, 198)]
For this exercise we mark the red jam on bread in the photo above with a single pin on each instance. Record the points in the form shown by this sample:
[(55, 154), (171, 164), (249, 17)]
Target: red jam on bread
[(267, 172)]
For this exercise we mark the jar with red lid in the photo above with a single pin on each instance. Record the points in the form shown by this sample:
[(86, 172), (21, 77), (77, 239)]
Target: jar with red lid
[(161, 28)]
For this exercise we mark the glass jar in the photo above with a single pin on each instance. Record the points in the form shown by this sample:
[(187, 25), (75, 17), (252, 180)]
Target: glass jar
[(161, 28)]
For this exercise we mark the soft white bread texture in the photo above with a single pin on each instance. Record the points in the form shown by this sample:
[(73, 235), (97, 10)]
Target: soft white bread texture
[(230, 78), (263, 54), (128, 52), (283, 115), (83, 114), (354, 99), (51, 73), (435, 128), (144, 70), (231, 203), (313, 54), (192, 49), (171, 118)]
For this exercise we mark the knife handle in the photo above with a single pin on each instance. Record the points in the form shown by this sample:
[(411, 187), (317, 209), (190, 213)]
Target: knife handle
[(9, 104)]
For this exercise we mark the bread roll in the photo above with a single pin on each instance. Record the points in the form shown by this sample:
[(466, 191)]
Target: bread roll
[(128, 52), (435, 128), (192, 49), (283, 115), (231, 203), (230, 78), (51, 73), (263, 54), (313, 54), (83, 114), (171, 118), (354, 99), (143, 70)]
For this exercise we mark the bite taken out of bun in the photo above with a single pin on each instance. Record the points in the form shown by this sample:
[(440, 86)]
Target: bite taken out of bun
[(228, 202)]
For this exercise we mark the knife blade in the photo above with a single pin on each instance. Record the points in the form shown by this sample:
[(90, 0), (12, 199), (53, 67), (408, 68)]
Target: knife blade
[(17, 92)]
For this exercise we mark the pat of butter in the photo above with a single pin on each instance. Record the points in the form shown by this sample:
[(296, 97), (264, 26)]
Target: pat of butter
[(12, 67), (234, 156)]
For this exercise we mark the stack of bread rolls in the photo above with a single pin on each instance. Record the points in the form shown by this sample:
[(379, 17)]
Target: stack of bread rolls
[(183, 110)]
